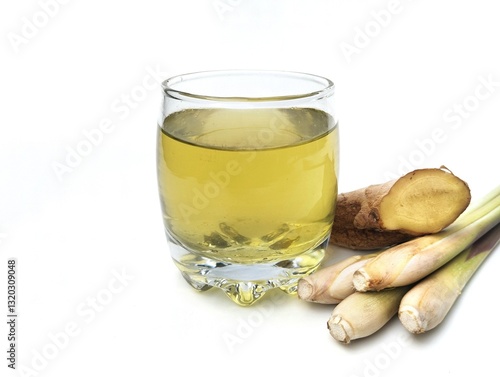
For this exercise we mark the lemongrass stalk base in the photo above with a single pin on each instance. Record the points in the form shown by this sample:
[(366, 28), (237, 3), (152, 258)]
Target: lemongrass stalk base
[(411, 320), (340, 329)]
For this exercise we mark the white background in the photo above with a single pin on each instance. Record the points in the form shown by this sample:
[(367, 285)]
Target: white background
[(403, 71)]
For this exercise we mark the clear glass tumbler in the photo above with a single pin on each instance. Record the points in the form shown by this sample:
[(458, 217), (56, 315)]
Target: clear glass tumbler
[(247, 174)]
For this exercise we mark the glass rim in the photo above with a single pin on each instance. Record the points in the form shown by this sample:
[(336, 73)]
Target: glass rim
[(324, 86)]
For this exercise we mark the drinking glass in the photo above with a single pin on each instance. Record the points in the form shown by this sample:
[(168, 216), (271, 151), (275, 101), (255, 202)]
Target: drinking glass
[(247, 174)]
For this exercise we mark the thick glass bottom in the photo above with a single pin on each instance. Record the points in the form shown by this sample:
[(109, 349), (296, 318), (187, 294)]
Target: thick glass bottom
[(245, 283)]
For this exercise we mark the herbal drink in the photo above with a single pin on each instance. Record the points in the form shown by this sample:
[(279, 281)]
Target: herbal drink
[(247, 189), (248, 186)]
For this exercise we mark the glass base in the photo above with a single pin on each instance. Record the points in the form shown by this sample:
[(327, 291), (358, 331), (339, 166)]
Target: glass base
[(244, 283)]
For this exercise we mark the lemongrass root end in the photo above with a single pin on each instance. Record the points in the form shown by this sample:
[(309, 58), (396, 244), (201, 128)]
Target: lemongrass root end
[(411, 319), (340, 329), (305, 290), (361, 280)]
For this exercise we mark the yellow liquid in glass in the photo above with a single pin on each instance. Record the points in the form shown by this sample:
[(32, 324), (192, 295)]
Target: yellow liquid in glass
[(248, 186)]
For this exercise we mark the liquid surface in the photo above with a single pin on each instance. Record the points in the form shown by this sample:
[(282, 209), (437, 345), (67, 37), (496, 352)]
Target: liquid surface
[(248, 186)]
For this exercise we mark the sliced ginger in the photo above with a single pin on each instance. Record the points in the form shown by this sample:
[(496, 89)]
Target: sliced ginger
[(424, 201)]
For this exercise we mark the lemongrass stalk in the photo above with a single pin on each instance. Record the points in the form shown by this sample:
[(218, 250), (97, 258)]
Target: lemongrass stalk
[(361, 314), (426, 305), (332, 284), (411, 261)]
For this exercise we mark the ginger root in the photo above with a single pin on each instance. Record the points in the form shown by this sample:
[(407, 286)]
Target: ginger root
[(424, 201)]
